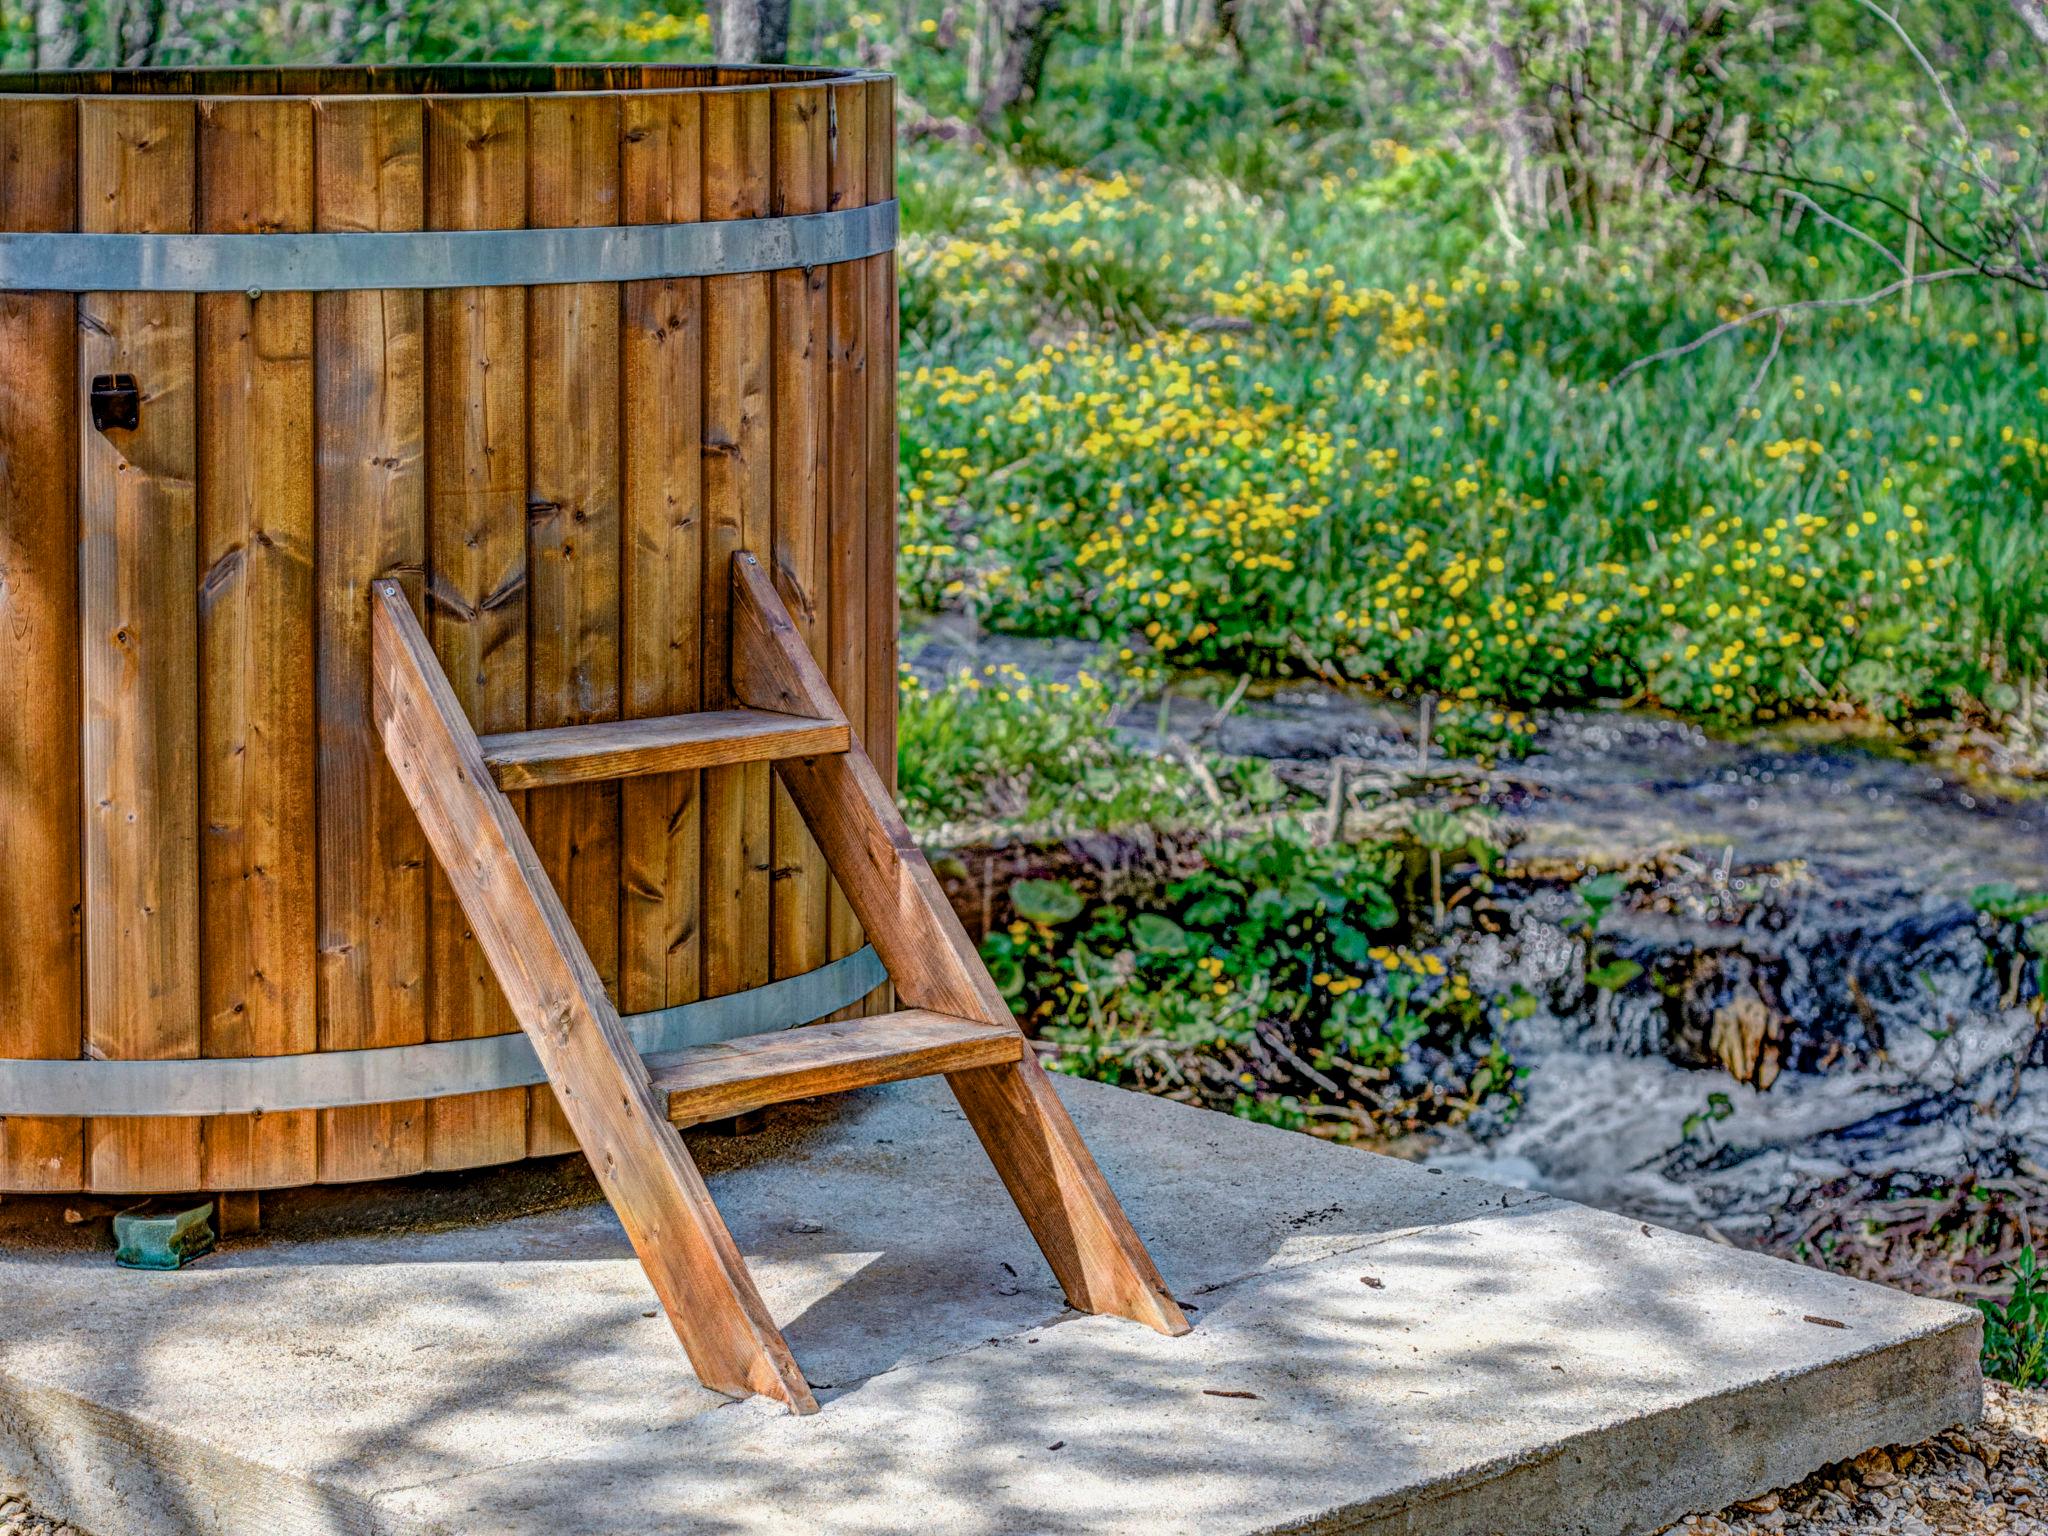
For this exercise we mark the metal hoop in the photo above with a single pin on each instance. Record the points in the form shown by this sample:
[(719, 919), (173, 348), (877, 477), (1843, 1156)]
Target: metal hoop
[(473, 258), (249, 1085)]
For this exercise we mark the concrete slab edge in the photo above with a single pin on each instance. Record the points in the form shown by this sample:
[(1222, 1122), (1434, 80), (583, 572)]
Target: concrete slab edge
[(110, 1475), (1698, 1456), (113, 1475)]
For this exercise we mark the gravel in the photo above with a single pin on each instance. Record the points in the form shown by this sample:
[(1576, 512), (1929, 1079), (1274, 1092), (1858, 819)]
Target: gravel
[(1988, 1481), (17, 1519)]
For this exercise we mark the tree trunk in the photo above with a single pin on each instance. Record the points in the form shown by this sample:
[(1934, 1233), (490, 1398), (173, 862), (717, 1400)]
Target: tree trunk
[(2033, 16), (1023, 37), (1233, 18), (750, 31), (1517, 124)]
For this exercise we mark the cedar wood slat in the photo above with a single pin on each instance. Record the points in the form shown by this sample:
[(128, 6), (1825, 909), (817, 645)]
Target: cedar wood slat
[(738, 514), (370, 522), (661, 347), (801, 890), (573, 531), (628, 749), (41, 1007), (730, 1078), (477, 586), (847, 402), (880, 727), (259, 934), (137, 553)]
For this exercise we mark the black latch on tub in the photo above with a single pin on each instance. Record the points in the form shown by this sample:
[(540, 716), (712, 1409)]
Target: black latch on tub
[(116, 402)]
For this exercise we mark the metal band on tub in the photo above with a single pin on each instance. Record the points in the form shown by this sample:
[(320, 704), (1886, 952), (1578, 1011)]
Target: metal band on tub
[(329, 262), (245, 1085)]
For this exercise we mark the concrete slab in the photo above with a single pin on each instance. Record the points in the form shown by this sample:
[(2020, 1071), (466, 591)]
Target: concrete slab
[(1377, 1348)]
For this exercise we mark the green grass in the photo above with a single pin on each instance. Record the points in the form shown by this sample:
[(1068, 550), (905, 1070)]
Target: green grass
[(1273, 434), (992, 745)]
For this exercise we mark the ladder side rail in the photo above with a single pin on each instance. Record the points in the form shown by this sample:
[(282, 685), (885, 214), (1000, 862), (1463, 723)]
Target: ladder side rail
[(600, 1080), (1094, 1251)]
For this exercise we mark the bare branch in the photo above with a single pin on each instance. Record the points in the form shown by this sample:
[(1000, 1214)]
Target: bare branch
[(1847, 228), (1796, 307), (1757, 383)]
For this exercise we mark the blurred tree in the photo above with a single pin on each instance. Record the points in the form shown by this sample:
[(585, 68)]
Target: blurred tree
[(1020, 35), (749, 31), (2034, 17)]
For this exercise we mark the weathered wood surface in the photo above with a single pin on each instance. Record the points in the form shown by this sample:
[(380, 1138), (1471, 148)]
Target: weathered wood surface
[(139, 621), (801, 891), (258, 992), (846, 664), (557, 478), (879, 587), (523, 927), (573, 531), (369, 376), (41, 807), (734, 1076), (661, 344), (1086, 1238), (738, 514), (477, 586), (627, 749)]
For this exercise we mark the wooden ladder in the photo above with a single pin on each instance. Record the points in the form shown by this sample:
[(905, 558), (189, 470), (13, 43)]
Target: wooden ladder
[(954, 1021)]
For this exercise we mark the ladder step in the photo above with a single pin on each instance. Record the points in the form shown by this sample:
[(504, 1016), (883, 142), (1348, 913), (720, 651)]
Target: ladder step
[(710, 1082), (626, 749)]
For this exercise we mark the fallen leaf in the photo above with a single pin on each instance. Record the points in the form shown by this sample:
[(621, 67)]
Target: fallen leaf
[(1825, 1322), (1378, 1285), (1219, 1392)]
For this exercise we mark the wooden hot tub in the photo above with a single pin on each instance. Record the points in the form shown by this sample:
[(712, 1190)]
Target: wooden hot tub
[(209, 451)]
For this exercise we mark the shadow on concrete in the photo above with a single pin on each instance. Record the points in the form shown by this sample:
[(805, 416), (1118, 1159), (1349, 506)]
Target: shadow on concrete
[(1367, 1334)]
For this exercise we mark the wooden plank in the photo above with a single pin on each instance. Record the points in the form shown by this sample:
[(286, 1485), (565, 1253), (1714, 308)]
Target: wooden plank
[(477, 582), (1082, 1231), (879, 732), (137, 556), (849, 591), (879, 736), (738, 514), (370, 498), (661, 346), (259, 936), (801, 888), (41, 1007), (573, 529), (559, 1000), (625, 749), (709, 1082)]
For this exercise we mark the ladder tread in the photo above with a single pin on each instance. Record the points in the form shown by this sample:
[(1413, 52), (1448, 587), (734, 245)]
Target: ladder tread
[(710, 1082), (625, 749)]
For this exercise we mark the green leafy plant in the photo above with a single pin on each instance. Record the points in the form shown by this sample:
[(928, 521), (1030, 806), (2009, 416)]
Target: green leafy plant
[(1597, 894), (1272, 982), (2016, 1329), (2021, 939), (1718, 1108)]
